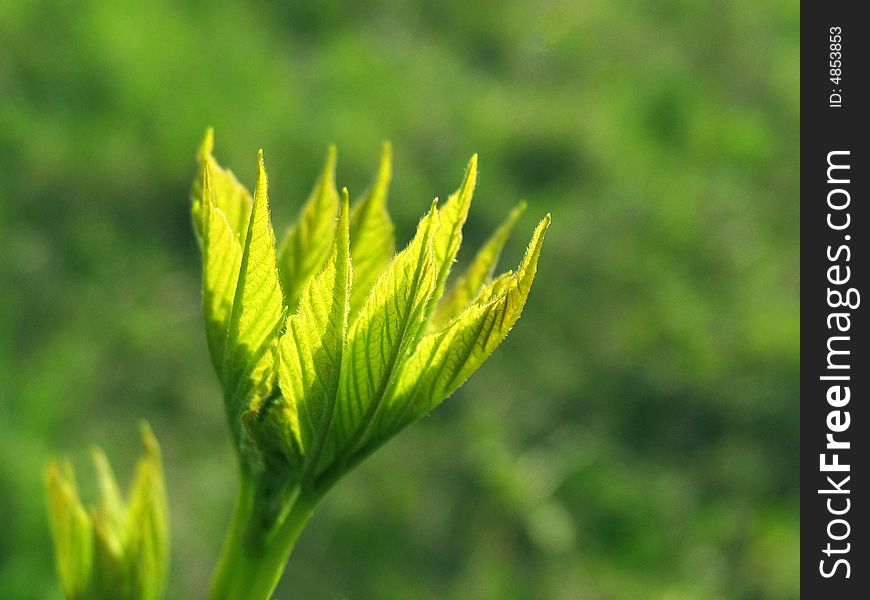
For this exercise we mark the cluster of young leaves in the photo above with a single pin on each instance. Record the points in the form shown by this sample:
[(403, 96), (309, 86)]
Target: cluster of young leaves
[(117, 550), (330, 342)]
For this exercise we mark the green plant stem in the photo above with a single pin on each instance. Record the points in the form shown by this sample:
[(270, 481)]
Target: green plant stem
[(233, 544), (257, 546)]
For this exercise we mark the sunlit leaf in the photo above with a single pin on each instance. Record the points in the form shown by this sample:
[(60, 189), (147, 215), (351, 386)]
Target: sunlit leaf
[(383, 334), (448, 238), (230, 196), (109, 522), (71, 530), (307, 243), (310, 356), (478, 273), (372, 234), (117, 549), (221, 258), (445, 359), (147, 522), (257, 312)]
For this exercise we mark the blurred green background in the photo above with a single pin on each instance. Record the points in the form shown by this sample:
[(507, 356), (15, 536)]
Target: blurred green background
[(637, 434)]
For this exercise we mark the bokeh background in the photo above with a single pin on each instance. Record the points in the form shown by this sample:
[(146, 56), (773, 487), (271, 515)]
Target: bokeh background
[(637, 434)]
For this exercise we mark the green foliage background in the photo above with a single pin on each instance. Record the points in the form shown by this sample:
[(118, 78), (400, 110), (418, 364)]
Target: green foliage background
[(637, 434)]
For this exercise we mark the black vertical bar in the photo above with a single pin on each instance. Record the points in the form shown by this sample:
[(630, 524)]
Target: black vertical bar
[(835, 223)]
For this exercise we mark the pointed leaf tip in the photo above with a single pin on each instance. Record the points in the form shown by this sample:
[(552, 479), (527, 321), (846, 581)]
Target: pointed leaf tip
[(257, 311), (342, 234), (469, 182), (372, 234), (261, 190), (327, 175), (472, 162), (207, 145), (537, 239), (110, 492), (344, 205), (294, 426), (71, 529), (307, 243), (470, 177), (477, 274), (446, 358), (149, 440), (381, 337), (230, 196), (221, 256), (385, 166), (448, 237)]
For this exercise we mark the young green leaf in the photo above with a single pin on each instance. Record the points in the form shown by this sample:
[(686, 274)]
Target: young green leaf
[(445, 359), (116, 550), (71, 530), (449, 235), (257, 313), (230, 196), (221, 258), (110, 526), (307, 243), (147, 522), (111, 573), (478, 273), (309, 360), (372, 234), (382, 335)]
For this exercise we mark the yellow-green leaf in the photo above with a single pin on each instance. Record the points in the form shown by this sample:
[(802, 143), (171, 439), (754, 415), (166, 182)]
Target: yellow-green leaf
[(118, 549), (448, 238), (478, 273), (372, 234), (382, 336), (307, 243), (310, 355), (71, 530), (445, 359), (221, 258), (230, 196), (257, 312), (109, 518), (147, 523)]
